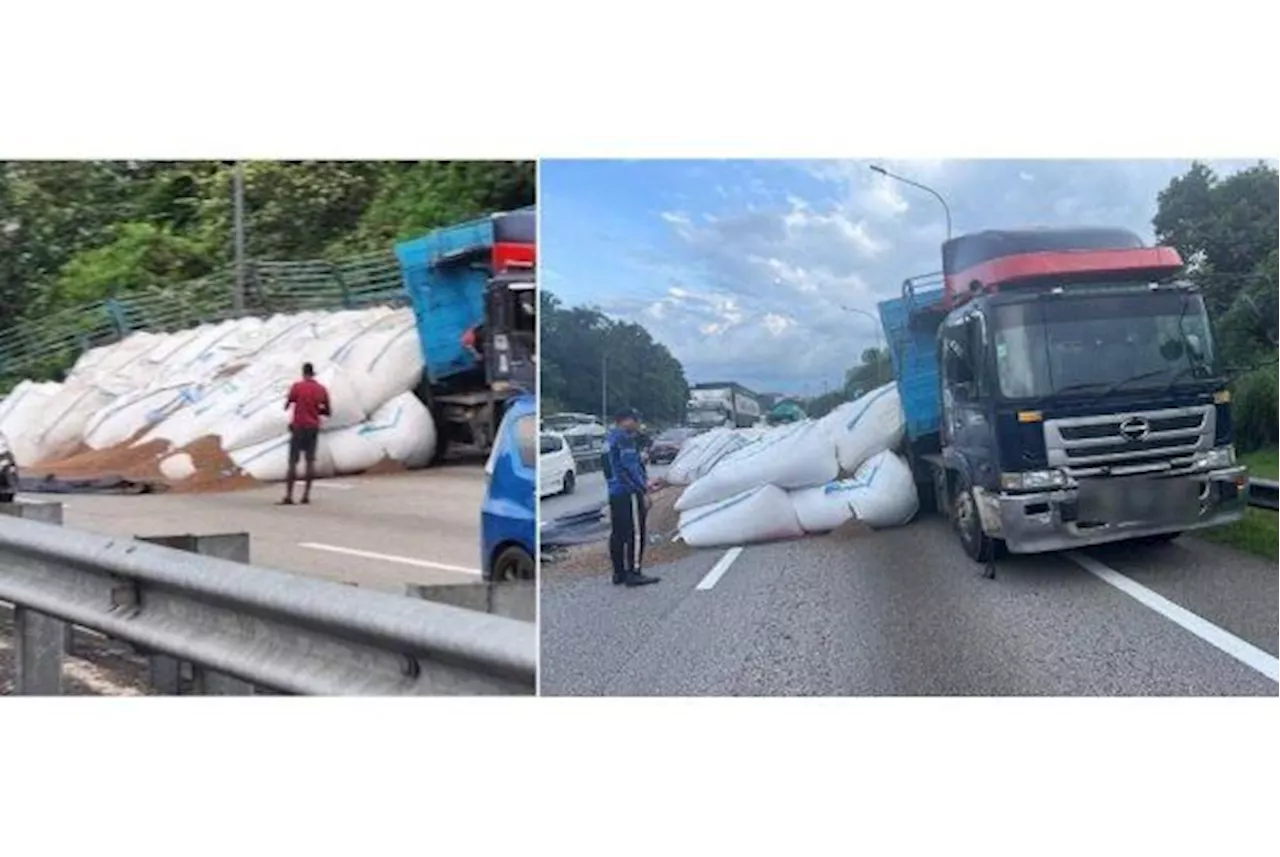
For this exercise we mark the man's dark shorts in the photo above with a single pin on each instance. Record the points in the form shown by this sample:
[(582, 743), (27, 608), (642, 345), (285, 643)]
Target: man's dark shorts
[(302, 442)]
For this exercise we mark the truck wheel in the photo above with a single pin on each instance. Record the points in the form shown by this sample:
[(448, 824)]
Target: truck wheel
[(569, 484), (968, 526), (442, 449), (514, 563)]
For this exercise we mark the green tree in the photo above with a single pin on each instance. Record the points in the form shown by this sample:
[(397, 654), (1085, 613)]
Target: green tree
[(583, 351), (72, 231), (1227, 229)]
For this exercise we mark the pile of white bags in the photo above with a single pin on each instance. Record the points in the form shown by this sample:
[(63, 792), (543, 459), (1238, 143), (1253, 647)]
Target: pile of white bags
[(231, 380), (784, 482)]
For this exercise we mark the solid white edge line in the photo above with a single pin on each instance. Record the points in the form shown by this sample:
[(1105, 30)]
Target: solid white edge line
[(386, 557), (1244, 652), (717, 571)]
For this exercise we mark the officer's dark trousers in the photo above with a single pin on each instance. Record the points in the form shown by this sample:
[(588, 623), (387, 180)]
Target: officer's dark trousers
[(626, 541)]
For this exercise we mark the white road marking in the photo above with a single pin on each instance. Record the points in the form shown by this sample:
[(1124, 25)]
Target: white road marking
[(1246, 653), (717, 571), (386, 557), (337, 486)]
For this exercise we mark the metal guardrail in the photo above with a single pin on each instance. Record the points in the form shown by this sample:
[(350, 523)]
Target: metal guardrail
[(1263, 494), (258, 626)]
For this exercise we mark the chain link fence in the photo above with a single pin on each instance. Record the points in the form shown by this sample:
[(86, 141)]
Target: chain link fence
[(43, 348)]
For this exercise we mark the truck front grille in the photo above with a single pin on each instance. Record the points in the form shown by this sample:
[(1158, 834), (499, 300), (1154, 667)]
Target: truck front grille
[(1130, 443)]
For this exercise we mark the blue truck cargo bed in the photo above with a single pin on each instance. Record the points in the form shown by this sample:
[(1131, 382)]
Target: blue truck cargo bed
[(914, 352), (447, 292)]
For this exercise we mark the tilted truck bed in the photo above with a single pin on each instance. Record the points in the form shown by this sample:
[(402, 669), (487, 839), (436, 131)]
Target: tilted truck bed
[(911, 331)]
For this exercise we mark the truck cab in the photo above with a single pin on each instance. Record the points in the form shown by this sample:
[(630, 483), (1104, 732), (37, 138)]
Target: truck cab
[(1061, 390), (474, 294)]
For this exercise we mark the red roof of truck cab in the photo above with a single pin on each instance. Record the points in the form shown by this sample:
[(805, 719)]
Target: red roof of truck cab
[(1061, 265), (509, 254)]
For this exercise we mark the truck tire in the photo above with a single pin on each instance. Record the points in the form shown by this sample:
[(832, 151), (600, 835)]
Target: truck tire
[(978, 545), (442, 449), (569, 484)]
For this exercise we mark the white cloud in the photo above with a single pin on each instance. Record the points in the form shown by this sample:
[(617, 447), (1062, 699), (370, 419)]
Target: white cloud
[(757, 285), (775, 323)]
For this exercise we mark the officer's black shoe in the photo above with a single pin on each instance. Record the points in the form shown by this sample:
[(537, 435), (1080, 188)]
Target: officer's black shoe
[(639, 579), (619, 579)]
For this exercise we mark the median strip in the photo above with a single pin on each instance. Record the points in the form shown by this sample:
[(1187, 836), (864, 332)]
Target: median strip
[(1246, 653)]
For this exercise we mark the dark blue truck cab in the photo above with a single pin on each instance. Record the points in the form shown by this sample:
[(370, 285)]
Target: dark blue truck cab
[(1060, 390)]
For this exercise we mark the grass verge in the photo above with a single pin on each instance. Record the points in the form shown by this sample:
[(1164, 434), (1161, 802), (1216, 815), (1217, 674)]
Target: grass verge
[(1258, 531)]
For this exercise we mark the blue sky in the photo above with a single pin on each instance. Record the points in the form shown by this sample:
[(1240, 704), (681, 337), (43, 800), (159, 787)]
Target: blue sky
[(742, 268)]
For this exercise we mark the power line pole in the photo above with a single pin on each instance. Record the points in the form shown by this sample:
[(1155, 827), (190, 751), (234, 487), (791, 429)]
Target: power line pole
[(237, 183)]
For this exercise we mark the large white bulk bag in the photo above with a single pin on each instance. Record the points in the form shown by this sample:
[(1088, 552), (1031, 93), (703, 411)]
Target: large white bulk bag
[(886, 495), (405, 429), (257, 418), (824, 507), (383, 362), (65, 416), (262, 414), (760, 514), (401, 430), (795, 456), (882, 493), (22, 416), (269, 461), (353, 449), (703, 452), (866, 426), (130, 414)]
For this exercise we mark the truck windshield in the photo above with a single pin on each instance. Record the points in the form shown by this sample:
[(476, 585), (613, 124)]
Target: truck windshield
[(1098, 343), (707, 416)]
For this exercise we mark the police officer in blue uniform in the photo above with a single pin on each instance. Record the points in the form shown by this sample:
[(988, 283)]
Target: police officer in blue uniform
[(628, 500)]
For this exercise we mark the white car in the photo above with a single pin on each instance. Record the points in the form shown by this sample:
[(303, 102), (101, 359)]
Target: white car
[(557, 472)]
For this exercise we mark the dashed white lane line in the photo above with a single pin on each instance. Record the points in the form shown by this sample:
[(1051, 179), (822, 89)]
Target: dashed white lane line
[(1246, 653), (386, 557), (718, 570)]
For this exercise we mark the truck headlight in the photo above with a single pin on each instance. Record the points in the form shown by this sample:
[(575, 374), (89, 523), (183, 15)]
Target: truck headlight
[(1033, 480), (1215, 459)]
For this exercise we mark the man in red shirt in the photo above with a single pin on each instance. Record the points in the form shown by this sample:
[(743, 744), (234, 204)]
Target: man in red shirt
[(310, 401)]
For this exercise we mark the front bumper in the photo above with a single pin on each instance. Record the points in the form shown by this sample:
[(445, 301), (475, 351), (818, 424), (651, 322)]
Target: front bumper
[(1048, 520)]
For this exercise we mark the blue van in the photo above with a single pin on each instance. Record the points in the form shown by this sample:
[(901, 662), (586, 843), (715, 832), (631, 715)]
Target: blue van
[(508, 517)]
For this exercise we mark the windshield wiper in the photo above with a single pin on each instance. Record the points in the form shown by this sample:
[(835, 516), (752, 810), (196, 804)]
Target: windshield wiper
[(1082, 385), (1118, 384)]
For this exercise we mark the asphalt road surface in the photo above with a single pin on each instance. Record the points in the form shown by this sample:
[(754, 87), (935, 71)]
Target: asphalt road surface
[(380, 532), (904, 612)]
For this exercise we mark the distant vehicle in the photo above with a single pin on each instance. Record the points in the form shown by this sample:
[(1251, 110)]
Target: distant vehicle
[(509, 512), (584, 433), (667, 445), (557, 473), (722, 404), (786, 412), (8, 472)]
